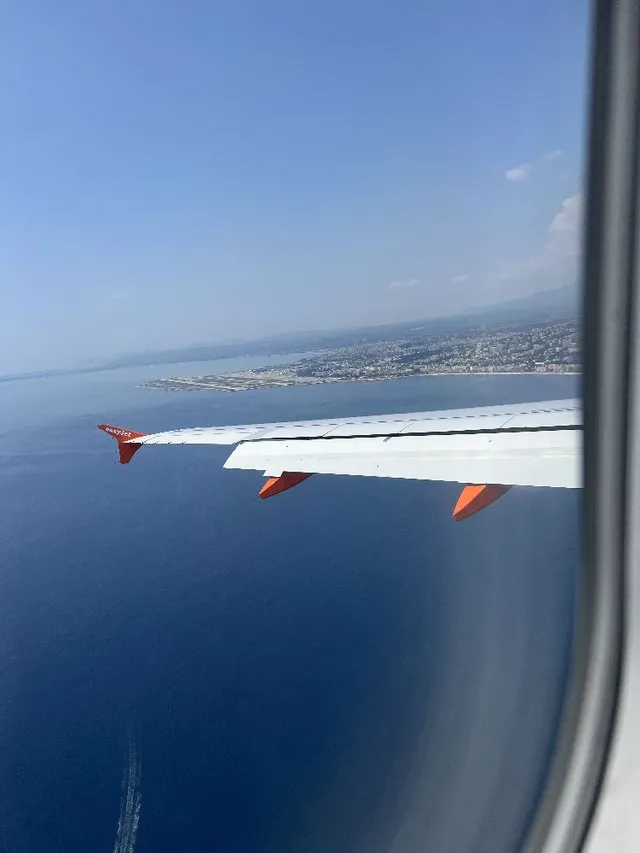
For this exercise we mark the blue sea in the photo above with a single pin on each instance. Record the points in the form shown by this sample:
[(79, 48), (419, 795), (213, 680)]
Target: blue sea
[(186, 668)]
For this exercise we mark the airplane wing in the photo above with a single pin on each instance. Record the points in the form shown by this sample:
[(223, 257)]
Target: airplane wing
[(491, 448)]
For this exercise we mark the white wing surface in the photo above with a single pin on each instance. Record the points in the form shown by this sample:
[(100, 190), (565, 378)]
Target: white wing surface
[(535, 444)]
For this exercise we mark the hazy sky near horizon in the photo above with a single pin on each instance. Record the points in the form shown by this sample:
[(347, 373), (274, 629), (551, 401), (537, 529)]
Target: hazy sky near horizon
[(184, 172)]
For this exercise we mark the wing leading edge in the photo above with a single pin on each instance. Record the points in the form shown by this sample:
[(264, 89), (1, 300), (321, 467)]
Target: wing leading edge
[(491, 448)]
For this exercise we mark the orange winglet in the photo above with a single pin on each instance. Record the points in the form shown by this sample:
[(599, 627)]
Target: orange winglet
[(287, 480), (122, 436), (474, 498)]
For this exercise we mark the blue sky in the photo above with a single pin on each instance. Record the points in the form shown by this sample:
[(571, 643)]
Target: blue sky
[(183, 172)]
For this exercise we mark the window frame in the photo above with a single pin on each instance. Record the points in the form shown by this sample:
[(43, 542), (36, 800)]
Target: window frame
[(577, 800)]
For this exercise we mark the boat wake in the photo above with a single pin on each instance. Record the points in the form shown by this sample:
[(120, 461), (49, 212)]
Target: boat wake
[(130, 801)]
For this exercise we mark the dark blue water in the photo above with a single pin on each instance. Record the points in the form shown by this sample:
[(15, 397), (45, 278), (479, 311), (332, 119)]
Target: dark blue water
[(340, 668)]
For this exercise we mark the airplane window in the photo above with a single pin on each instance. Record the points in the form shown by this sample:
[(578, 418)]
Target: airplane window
[(326, 261)]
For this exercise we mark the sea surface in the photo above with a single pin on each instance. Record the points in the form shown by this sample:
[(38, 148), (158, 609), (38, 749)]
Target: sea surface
[(185, 668)]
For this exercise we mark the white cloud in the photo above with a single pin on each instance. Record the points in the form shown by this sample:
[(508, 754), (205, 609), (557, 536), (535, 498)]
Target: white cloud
[(396, 285), (569, 219), (458, 279), (525, 170), (519, 173), (561, 247)]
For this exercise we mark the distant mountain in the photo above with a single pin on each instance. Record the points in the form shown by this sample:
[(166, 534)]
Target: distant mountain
[(545, 305), (560, 302)]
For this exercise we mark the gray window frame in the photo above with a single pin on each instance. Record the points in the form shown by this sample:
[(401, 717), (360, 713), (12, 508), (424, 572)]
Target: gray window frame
[(574, 809)]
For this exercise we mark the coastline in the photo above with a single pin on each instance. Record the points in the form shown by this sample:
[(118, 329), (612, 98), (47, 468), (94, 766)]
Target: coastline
[(217, 382)]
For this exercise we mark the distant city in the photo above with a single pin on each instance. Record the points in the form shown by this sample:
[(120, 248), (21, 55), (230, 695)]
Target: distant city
[(547, 347), (457, 343)]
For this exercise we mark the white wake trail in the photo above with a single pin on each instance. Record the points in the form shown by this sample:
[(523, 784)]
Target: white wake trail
[(130, 802)]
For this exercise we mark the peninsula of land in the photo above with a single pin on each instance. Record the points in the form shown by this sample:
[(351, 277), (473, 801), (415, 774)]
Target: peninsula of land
[(550, 347)]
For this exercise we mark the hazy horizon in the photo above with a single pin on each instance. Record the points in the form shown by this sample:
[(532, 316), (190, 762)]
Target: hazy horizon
[(105, 362)]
